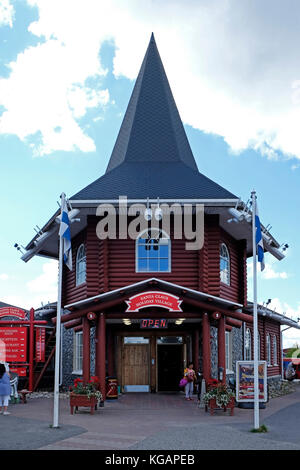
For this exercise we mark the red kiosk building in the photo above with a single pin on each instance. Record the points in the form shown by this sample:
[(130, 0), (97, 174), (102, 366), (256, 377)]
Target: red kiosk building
[(151, 304)]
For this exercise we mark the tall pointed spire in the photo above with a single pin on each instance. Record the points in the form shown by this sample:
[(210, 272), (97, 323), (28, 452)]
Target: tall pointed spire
[(152, 130), (152, 156)]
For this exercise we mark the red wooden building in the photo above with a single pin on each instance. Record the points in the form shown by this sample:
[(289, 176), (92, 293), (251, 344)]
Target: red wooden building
[(152, 304)]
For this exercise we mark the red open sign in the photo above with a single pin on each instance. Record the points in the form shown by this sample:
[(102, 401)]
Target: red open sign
[(154, 323)]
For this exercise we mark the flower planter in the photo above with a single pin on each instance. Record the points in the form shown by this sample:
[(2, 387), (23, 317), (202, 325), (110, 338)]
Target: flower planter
[(77, 400), (213, 406)]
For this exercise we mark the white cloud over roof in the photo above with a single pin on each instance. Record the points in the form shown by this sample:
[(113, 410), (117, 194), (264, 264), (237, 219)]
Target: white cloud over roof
[(6, 13), (233, 67)]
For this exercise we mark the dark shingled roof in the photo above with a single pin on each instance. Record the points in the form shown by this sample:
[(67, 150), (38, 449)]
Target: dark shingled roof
[(152, 156)]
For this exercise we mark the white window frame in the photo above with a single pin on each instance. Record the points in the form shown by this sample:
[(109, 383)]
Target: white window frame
[(225, 274), (164, 237), (269, 350), (77, 352), (274, 342), (248, 345), (228, 352), (80, 275)]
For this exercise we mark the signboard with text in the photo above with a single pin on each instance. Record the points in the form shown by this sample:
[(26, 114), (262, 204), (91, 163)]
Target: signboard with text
[(154, 323), (12, 312), (40, 335), (13, 344), (154, 299), (245, 381)]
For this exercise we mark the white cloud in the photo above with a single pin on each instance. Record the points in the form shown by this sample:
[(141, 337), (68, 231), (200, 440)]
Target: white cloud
[(268, 273), (291, 336), (233, 67), (42, 288), (45, 283), (6, 13), (4, 277)]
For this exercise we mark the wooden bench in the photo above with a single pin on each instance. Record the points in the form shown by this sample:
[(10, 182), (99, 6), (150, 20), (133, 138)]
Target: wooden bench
[(23, 394)]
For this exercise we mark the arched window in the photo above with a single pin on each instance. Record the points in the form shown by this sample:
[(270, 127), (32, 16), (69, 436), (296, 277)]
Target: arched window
[(248, 345), (153, 251), (268, 341), (274, 350), (80, 265), (224, 264)]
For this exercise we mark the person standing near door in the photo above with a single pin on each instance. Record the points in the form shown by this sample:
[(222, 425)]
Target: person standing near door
[(190, 376)]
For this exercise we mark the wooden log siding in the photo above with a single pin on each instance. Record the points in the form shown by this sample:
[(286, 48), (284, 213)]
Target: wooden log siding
[(267, 326), (212, 247), (71, 292), (111, 264), (121, 265), (233, 292)]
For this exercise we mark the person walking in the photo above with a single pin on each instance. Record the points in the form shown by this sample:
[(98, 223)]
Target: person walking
[(190, 376), (5, 390)]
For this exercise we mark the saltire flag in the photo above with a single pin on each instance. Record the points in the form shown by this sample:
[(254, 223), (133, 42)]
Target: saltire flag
[(65, 233), (259, 241)]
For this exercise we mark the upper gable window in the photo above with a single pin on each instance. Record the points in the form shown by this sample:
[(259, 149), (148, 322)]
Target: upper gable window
[(153, 252), (224, 264), (80, 265)]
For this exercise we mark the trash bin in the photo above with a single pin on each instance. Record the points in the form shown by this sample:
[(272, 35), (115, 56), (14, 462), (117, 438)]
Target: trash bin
[(111, 388)]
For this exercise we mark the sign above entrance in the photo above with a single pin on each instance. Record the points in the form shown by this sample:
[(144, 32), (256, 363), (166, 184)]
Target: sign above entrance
[(154, 323), (154, 299), (12, 312)]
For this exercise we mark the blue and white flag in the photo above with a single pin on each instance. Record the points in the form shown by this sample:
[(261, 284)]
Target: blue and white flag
[(259, 241), (65, 233)]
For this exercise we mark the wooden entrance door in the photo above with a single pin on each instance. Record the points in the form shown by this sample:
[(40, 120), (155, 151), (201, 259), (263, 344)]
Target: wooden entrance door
[(135, 364)]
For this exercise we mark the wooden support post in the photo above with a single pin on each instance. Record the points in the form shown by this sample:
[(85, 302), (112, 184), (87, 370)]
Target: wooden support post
[(206, 347), (100, 354), (86, 362), (196, 350), (110, 352), (221, 347), (31, 349)]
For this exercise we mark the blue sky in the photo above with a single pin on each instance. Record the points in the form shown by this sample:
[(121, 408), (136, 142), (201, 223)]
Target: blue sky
[(65, 82)]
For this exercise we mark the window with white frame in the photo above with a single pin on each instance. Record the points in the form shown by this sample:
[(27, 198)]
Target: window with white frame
[(269, 358), (224, 264), (274, 350), (248, 345), (80, 265), (153, 251), (228, 351), (78, 352)]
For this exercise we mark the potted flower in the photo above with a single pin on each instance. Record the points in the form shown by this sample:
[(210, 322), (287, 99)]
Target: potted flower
[(219, 396), (85, 394)]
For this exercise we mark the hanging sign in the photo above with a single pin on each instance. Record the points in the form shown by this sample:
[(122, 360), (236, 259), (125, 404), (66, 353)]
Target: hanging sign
[(13, 344), (12, 312), (154, 323), (245, 381), (40, 336), (154, 299)]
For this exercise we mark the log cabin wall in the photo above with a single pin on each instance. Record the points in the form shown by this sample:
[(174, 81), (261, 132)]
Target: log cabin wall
[(71, 292), (111, 264), (265, 327)]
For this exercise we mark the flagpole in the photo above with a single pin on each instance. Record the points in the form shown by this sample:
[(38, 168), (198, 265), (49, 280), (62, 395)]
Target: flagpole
[(58, 327), (254, 243)]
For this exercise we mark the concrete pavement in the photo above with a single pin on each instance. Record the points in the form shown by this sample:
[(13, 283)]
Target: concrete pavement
[(150, 421)]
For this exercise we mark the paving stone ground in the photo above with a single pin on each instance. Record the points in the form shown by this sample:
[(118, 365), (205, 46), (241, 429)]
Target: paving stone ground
[(150, 421)]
